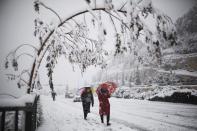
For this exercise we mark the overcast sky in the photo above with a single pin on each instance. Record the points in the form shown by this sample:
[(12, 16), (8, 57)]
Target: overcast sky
[(16, 27)]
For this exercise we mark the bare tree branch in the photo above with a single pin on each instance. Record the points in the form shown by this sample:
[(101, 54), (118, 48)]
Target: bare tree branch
[(5, 94), (25, 45), (123, 5), (50, 10), (113, 23), (24, 54), (26, 83), (25, 71)]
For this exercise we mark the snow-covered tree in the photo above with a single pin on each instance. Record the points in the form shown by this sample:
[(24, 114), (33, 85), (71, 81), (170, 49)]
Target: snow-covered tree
[(187, 32), (70, 37)]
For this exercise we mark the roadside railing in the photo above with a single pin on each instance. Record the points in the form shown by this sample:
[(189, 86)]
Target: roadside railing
[(30, 111)]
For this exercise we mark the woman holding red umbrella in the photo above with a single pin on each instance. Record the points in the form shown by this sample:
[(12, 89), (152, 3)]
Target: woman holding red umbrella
[(104, 91)]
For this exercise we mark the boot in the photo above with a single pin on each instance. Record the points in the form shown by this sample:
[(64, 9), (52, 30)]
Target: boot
[(101, 118), (108, 118), (85, 116)]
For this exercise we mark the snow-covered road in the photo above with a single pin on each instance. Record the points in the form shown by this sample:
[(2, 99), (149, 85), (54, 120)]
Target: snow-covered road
[(126, 115)]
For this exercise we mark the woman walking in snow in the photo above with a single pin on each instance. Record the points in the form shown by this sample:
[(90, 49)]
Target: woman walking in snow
[(87, 99), (104, 105)]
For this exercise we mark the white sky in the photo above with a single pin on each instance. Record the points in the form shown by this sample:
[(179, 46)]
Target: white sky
[(17, 26)]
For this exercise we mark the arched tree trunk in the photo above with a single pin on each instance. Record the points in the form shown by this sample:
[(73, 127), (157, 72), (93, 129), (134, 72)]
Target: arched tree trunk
[(44, 46)]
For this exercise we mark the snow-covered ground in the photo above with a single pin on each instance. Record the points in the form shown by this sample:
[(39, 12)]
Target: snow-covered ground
[(126, 115)]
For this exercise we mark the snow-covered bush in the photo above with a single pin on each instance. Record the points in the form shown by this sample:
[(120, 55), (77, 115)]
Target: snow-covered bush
[(176, 94)]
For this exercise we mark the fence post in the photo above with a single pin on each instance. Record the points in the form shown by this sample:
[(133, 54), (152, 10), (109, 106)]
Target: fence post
[(3, 121), (31, 112), (34, 117), (28, 117), (16, 120)]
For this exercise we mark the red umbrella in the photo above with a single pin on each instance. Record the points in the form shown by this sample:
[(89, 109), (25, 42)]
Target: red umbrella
[(110, 86)]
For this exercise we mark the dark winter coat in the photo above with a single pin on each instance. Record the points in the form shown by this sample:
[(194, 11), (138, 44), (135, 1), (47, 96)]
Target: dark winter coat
[(104, 105), (87, 99)]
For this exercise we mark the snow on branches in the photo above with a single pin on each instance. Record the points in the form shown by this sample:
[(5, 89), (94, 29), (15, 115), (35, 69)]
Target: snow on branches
[(71, 36)]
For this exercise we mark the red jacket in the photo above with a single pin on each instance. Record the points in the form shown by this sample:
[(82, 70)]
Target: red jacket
[(104, 105)]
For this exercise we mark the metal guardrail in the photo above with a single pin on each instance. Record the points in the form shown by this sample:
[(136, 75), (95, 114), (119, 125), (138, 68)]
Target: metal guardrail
[(30, 110)]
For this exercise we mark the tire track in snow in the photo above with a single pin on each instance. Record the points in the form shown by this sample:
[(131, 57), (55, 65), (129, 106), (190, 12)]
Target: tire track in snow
[(62, 103), (173, 109), (162, 121), (148, 118)]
